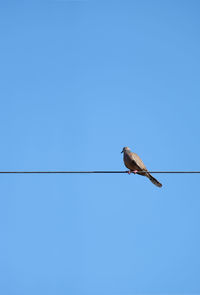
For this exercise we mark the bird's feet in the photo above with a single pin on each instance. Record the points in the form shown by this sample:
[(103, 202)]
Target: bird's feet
[(132, 171)]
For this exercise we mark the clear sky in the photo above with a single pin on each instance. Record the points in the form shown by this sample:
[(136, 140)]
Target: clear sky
[(79, 81)]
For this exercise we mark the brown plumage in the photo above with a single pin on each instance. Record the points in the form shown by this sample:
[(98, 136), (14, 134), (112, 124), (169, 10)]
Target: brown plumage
[(133, 162)]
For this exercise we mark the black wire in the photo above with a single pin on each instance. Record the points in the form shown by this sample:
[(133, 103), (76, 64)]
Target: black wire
[(85, 172)]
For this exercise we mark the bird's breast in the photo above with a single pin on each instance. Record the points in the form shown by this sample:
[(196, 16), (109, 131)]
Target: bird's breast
[(129, 163)]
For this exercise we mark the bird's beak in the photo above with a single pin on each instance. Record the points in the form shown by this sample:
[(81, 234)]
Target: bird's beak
[(122, 151)]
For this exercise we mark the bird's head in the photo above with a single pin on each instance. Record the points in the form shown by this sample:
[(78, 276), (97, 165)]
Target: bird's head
[(125, 149)]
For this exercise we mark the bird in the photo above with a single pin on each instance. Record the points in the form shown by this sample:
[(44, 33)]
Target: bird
[(133, 162)]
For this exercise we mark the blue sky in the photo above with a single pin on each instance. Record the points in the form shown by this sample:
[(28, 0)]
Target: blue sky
[(79, 81)]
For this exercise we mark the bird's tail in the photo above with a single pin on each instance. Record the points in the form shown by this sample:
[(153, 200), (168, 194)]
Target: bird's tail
[(154, 180)]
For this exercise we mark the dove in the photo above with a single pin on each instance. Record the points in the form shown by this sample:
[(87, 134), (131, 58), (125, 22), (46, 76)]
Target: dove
[(133, 162)]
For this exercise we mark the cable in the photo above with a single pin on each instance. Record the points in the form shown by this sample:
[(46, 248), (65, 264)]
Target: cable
[(86, 172)]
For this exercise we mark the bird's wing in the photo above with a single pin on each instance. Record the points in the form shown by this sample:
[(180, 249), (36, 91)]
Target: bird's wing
[(138, 161)]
